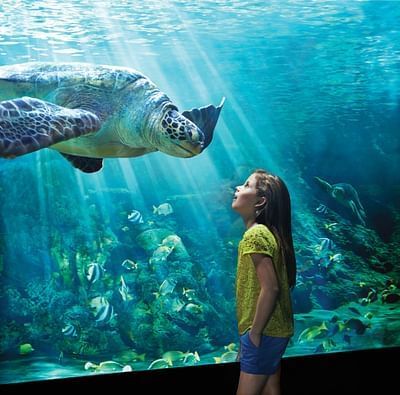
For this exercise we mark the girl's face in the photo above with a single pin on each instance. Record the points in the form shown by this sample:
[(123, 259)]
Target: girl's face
[(245, 198)]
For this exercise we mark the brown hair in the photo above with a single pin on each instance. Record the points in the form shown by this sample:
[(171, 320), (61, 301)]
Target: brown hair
[(276, 215)]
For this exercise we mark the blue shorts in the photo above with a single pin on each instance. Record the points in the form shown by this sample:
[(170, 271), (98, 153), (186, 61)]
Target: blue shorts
[(263, 359)]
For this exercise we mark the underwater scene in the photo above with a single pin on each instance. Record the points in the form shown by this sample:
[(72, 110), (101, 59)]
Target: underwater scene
[(125, 127)]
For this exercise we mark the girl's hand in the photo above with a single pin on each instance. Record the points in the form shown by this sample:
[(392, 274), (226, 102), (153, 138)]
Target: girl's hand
[(255, 338)]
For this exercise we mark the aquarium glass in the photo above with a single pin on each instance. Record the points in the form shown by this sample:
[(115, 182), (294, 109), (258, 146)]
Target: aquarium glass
[(132, 266)]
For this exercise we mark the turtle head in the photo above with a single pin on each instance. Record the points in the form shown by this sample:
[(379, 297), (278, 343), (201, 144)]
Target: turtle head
[(178, 136)]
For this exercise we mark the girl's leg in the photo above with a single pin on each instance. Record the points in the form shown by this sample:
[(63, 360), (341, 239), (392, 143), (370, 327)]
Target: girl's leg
[(273, 384), (251, 384)]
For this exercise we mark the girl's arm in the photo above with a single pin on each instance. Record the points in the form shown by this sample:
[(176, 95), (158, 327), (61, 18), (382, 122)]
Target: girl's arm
[(268, 295)]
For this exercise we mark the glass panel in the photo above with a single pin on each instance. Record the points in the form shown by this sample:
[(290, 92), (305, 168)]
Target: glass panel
[(133, 266)]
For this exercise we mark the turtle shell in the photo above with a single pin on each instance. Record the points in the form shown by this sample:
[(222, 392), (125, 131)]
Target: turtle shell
[(38, 79)]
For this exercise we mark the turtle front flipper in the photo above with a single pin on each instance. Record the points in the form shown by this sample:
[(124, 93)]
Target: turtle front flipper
[(205, 118), (28, 124)]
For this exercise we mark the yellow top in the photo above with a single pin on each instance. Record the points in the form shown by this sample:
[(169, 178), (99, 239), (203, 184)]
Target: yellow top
[(259, 239)]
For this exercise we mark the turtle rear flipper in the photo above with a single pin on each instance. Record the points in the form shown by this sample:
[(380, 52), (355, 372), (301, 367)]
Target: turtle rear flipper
[(205, 118), (358, 212), (28, 124), (87, 165)]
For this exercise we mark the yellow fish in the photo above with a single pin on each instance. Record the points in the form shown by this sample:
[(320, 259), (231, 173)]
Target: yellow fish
[(25, 349), (313, 332)]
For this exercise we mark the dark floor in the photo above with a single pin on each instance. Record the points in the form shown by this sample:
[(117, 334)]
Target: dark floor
[(361, 372)]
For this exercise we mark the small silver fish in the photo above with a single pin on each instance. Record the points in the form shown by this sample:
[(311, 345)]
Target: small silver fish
[(163, 209), (129, 264), (94, 272), (322, 209), (124, 291), (135, 217), (69, 330), (105, 313), (167, 286), (326, 244)]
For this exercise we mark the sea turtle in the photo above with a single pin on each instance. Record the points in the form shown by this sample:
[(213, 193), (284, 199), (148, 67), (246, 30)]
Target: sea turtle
[(88, 112), (346, 195)]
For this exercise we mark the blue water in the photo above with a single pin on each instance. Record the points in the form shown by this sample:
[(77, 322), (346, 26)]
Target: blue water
[(312, 89)]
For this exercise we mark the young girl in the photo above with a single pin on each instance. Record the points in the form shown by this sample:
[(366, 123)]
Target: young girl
[(266, 272)]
